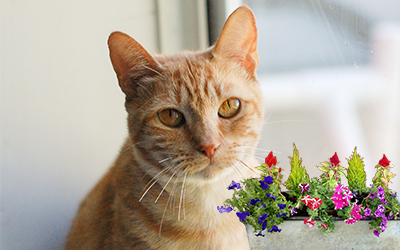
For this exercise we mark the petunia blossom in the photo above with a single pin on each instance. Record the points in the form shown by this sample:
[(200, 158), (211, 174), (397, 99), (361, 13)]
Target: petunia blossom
[(274, 229), (254, 201), (270, 160), (304, 187), (242, 215), (281, 206), (271, 196), (350, 221), (324, 225), (262, 218), (376, 232), (223, 209), (309, 222), (234, 185)]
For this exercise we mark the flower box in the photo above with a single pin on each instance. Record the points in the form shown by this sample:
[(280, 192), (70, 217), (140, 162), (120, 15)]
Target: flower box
[(295, 235), (348, 217)]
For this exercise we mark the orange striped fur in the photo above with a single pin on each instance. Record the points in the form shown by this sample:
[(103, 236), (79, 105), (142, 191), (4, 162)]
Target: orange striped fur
[(164, 188)]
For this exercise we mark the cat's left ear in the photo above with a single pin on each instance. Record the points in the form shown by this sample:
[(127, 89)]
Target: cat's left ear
[(238, 40)]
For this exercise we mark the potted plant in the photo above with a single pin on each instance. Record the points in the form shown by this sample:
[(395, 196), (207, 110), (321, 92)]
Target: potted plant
[(319, 202)]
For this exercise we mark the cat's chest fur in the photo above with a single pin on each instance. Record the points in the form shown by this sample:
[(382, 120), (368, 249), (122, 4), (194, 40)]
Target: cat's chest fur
[(194, 120)]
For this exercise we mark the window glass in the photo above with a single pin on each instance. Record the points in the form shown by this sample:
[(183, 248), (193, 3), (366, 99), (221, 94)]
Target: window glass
[(330, 73)]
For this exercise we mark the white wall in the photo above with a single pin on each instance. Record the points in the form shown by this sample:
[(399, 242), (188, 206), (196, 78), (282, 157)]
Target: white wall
[(62, 113)]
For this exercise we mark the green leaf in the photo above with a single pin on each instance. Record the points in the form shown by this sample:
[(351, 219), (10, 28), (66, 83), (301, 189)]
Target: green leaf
[(298, 173), (356, 175)]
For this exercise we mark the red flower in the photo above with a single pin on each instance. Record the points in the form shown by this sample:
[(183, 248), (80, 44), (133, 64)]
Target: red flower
[(324, 225), (309, 222), (335, 160), (384, 162), (270, 160)]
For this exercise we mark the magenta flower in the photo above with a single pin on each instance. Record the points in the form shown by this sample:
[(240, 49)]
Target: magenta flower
[(367, 212), (350, 221), (304, 187), (376, 232), (339, 188)]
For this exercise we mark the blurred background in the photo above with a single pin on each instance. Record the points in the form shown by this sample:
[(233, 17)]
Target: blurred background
[(329, 71)]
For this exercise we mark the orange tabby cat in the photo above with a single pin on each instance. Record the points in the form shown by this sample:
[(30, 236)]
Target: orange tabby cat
[(194, 119)]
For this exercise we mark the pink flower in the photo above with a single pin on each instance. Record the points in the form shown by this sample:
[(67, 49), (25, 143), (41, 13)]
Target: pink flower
[(384, 162), (339, 188), (335, 160), (350, 221), (355, 213), (309, 222)]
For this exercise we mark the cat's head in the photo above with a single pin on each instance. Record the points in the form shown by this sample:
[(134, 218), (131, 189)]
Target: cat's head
[(193, 113)]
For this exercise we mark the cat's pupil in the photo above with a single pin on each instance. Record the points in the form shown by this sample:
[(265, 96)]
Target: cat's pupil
[(171, 117), (229, 108)]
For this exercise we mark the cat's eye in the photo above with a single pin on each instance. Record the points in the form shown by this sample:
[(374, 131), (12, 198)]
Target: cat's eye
[(171, 117), (229, 108)]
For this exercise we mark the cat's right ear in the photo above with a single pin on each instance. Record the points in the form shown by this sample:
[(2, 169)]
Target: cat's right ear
[(131, 62)]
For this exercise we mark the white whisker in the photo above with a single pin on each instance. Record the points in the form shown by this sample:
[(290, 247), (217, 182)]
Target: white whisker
[(154, 180), (165, 186), (286, 121), (237, 170), (180, 200), (247, 166)]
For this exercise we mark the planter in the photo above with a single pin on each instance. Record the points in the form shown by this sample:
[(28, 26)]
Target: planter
[(296, 235)]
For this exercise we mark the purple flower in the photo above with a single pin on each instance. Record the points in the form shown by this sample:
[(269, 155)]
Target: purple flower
[(280, 215), (253, 201), (262, 218), (274, 229), (223, 209), (372, 196), (293, 211), (381, 193), (394, 195), (367, 212), (391, 217), (234, 185), (242, 215), (376, 232), (271, 196), (379, 212), (304, 187), (264, 225), (281, 206), (267, 180), (260, 234)]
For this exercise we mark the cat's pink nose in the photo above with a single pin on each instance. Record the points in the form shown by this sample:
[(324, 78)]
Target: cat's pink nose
[(209, 150)]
